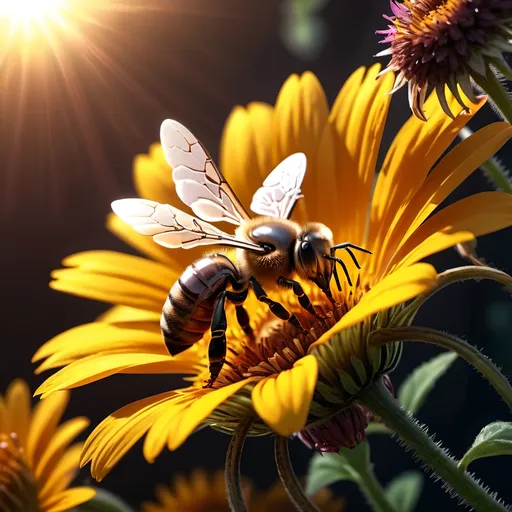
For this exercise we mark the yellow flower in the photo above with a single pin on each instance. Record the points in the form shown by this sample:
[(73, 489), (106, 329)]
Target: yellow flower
[(37, 463), (278, 375), (207, 492)]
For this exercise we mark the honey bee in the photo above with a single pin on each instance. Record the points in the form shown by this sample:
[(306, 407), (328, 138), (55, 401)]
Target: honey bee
[(270, 249)]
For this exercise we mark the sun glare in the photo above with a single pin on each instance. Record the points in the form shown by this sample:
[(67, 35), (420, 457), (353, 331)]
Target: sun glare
[(26, 14)]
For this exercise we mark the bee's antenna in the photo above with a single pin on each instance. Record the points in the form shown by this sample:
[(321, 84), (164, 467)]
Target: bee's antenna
[(347, 246), (343, 266)]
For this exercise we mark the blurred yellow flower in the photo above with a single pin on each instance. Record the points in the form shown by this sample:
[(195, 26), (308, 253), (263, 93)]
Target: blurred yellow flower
[(290, 380), (203, 492), (37, 463)]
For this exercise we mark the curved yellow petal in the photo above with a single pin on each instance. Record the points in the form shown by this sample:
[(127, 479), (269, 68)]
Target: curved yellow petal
[(96, 367), (413, 152), (300, 117), (282, 401), (63, 436), (96, 337), (472, 216), (394, 289), (115, 435), (126, 316), (62, 474), (358, 117), (452, 170), (191, 417), (68, 499), (46, 417), (116, 278), (18, 406), (245, 149)]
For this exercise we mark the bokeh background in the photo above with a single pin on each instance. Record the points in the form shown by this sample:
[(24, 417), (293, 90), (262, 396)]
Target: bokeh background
[(73, 116)]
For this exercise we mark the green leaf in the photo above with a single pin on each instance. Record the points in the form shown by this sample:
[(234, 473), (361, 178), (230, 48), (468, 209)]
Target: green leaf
[(329, 468), (104, 501), (494, 439), (374, 427), (414, 390), (403, 492)]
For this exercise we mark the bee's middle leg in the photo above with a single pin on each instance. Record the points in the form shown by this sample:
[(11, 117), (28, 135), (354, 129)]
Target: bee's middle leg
[(303, 299), (275, 307), (217, 346), (238, 298)]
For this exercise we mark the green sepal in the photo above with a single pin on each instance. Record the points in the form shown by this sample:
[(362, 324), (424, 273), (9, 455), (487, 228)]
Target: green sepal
[(494, 439), (104, 501)]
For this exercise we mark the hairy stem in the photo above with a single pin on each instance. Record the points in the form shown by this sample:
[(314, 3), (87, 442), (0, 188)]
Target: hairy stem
[(451, 276), (492, 168), (497, 93), (288, 478), (380, 401), (471, 354), (233, 457)]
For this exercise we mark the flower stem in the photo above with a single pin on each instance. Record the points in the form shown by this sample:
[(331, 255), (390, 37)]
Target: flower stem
[(491, 85), (379, 400), (374, 491), (288, 478), (472, 355), (454, 275), (492, 168), (233, 457)]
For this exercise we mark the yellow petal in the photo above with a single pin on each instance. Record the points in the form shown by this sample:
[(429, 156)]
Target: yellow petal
[(68, 499), (116, 278), (300, 117), (472, 216), (358, 117), (125, 316), (64, 435), (152, 176), (413, 152), (282, 401), (245, 149), (448, 174), (113, 437), (18, 409), (394, 289), (46, 417), (186, 422), (94, 368), (63, 473), (96, 337)]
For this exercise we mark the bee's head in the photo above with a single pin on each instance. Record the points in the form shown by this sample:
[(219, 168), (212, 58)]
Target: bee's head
[(311, 248)]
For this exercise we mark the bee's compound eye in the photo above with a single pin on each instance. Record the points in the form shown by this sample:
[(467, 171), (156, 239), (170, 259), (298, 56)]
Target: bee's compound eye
[(305, 246)]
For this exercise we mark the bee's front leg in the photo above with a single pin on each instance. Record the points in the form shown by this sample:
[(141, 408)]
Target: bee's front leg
[(303, 299)]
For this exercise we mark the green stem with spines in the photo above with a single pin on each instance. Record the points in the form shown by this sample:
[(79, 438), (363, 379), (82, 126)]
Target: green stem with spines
[(499, 96), (379, 400)]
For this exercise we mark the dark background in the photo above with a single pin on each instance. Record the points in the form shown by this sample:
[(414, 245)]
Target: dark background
[(69, 129)]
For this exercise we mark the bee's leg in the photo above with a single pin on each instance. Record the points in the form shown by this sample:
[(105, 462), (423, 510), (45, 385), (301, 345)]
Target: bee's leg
[(217, 346), (304, 301), (238, 298), (346, 246), (275, 307)]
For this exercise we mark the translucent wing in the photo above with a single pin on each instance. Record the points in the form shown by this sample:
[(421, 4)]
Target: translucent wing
[(281, 188), (199, 183), (173, 228)]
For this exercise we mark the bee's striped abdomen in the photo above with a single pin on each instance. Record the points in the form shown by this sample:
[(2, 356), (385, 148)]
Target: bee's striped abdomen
[(188, 310)]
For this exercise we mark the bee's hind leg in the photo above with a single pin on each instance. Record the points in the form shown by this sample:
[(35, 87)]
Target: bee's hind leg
[(217, 346), (303, 299), (275, 307)]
